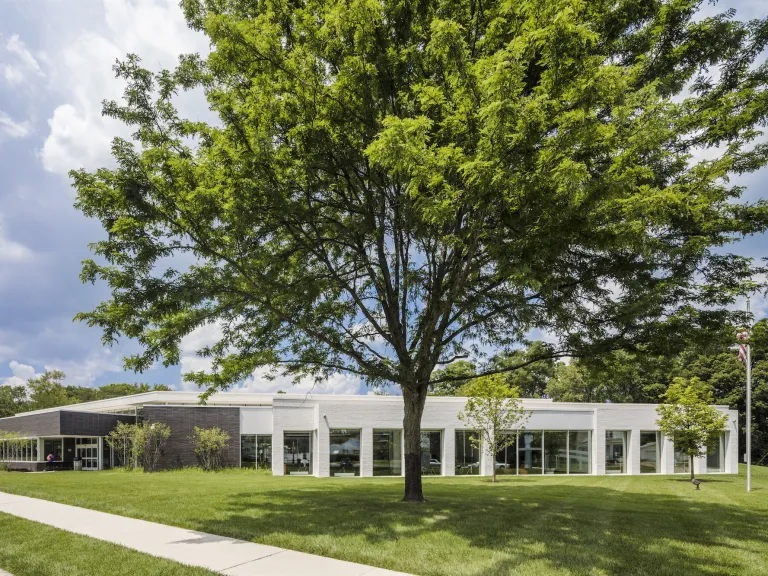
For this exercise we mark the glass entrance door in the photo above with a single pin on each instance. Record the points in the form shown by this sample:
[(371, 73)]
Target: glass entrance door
[(297, 455), (87, 449)]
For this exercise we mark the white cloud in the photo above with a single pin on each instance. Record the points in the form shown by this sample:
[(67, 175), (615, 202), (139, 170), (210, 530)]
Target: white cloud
[(11, 251), (155, 30), (85, 372), (9, 127), (13, 76), (17, 47), (21, 374), (258, 382), (337, 384)]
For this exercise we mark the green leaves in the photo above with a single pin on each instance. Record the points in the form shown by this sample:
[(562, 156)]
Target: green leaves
[(390, 187), (687, 416)]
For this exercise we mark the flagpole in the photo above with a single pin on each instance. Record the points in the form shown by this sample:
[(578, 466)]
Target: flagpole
[(749, 404)]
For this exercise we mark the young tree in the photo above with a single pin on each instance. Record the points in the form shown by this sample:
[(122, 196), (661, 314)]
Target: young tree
[(149, 442), (390, 189), (210, 444), (687, 416), (121, 441), (492, 411)]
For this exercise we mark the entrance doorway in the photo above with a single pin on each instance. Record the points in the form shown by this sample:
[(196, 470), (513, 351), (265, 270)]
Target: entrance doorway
[(87, 449)]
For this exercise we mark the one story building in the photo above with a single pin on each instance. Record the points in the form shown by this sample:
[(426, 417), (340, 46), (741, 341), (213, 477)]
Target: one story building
[(332, 435)]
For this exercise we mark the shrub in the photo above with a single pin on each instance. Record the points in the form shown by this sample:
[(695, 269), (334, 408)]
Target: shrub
[(210, 444), (149, 443)]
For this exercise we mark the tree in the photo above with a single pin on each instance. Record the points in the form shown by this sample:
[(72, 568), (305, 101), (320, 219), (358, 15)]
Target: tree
[(532, 375), (47, 391), (617, 377), (452, 378), (492, 411), (389, 189), (210, 444), (121, 441), (149, 440), (123, 389), (13, 399), (687, 416)]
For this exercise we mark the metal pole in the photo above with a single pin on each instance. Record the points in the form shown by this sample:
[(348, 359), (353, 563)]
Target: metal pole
[(749, 403)]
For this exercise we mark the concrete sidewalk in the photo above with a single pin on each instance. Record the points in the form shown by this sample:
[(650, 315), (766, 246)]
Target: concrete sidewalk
[(217, 553)]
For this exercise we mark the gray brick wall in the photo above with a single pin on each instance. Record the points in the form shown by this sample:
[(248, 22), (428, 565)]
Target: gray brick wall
[(91, 423), (183, 419), (46, 424)]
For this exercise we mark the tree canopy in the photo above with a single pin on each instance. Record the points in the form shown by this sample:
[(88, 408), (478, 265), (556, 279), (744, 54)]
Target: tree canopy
[(391, 186), (47, 391)]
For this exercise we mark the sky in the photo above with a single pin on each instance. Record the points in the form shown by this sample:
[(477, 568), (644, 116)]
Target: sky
[(56, 60)]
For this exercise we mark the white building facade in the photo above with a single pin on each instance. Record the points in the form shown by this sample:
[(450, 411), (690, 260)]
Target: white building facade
[(330, 435)]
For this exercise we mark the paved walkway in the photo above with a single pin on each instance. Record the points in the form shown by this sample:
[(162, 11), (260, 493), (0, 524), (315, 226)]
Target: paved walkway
[(217, 553)]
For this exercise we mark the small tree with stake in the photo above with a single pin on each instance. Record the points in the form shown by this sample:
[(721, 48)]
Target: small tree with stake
[(687, 416), (492, 410)]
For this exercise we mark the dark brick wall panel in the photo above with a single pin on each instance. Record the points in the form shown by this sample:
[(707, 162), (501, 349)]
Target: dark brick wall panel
[(69, 450), (179, 451), (91, 423), (46, 424)]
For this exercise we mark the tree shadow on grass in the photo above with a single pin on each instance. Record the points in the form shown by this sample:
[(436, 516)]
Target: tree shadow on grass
[(517, 528)]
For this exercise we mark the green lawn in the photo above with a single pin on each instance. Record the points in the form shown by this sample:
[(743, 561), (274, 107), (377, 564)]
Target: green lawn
[(644, 525), (32, 549)]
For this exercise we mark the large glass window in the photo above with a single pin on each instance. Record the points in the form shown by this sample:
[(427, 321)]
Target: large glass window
[(506, 458), (264, 452), (248, 451), (529, 452), (467, 455), (431, 452), (555, 452), (649, 452), (256, 451), (387, 453), (615, 452), (345, 452), (53, 446), (579, 452), (682, 460), (715, 455), (297, 453)]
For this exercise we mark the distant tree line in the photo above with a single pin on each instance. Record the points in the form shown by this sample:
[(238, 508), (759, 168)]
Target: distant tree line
[(624, 376), (47, 391)]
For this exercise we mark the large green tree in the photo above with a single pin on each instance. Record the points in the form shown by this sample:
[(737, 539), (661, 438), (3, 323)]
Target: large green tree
[(391, 186)]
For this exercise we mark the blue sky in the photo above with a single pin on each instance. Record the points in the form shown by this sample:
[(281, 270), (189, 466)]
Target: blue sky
[(55, 69)]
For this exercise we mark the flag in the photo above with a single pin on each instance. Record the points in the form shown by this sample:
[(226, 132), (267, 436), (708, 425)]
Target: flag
[(742, 336)]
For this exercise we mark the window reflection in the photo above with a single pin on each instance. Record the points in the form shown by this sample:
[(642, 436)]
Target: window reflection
[(615, 451), (555, 452), (467, 455), (387, 453), (431, 452), (529, 452), (345, 452), (649, 452), (297, 453)]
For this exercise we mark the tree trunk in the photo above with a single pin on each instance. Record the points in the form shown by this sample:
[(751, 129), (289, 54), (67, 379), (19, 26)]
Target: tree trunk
[(691, 468), (414, 407)]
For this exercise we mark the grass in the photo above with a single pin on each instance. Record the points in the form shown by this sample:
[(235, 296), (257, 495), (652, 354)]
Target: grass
[(551, 525), (32, 549)]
